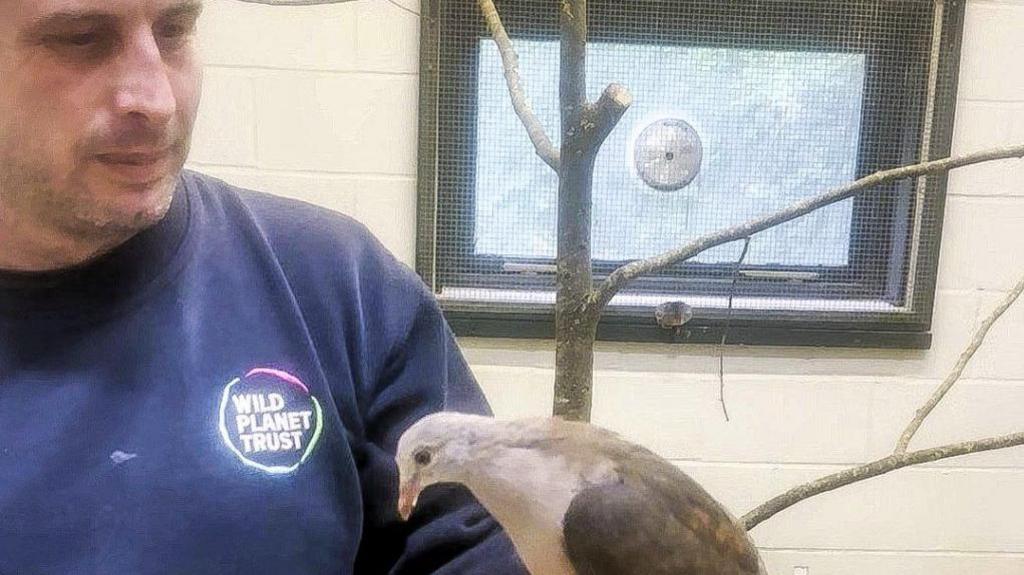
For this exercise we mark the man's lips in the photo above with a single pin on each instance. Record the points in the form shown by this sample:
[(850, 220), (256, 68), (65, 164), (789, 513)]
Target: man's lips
[(134, 157), (136, 167)]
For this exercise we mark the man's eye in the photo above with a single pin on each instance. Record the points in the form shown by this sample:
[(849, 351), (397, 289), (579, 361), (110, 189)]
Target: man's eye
[(173, 30), (84, 39), (90, 44), (177, 29)]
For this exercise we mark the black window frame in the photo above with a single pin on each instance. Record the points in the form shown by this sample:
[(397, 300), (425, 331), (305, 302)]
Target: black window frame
[(446, 178)]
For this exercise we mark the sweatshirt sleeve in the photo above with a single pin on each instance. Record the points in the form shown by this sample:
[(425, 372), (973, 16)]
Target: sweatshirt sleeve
[(449, 532)]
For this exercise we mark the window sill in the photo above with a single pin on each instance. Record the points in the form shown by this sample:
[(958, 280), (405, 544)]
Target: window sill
[(651, 300), (530, 314)]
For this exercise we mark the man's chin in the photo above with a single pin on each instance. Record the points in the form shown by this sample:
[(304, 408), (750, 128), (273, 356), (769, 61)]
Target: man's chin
[(139, 216), (127, 209)]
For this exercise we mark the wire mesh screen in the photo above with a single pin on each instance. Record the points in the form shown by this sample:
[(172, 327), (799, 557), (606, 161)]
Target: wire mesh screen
[(740, 109)]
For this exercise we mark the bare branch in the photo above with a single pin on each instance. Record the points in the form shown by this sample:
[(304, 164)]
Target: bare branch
[(295, 2), (725, 329), (622, 276), (954, 375), (874, 469), (403, 8), (601, 118), (322, 2), (900, 457), (510, 62), (574, 330)]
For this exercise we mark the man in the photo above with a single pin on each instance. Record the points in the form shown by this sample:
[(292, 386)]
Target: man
[(194, 378)]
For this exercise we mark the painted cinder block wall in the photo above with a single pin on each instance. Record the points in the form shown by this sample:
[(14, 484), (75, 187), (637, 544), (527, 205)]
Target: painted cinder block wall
[(320, 103)]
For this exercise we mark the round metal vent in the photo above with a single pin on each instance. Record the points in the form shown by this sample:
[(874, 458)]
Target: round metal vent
[(668, 154)]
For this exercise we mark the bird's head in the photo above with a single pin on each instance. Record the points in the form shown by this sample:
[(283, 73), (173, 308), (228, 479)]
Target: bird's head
[(436, 449)]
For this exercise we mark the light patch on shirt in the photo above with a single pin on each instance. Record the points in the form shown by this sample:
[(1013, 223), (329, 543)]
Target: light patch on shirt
[(119, 457)]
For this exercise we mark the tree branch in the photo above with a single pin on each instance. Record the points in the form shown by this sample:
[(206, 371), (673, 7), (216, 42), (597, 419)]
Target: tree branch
[(725, 329), (574, 335), (321, 2), (874, 469), (954, 375), (510, 62), (295, 2), (403, 8), (601, 118), (900, 457), (622, 276)]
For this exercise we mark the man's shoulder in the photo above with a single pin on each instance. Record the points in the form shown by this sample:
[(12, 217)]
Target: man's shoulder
[(293, 229), (280, 218), (313, 246), (325, 257)]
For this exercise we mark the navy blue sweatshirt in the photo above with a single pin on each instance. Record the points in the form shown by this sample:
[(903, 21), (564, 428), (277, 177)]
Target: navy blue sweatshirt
[(223, 393)]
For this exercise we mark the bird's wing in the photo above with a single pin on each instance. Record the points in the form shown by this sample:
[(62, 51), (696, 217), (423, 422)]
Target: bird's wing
[(618, 529)]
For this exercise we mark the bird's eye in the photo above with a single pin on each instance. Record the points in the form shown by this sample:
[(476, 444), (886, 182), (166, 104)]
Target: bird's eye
[(421, 457)]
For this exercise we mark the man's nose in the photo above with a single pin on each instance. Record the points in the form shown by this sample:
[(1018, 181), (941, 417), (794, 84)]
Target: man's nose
[(143, 87)]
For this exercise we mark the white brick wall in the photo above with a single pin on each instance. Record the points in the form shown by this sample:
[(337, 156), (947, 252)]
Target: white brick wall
[(319, 103)]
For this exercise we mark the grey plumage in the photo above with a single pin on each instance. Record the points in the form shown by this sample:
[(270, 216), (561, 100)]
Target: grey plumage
[(577, 499)]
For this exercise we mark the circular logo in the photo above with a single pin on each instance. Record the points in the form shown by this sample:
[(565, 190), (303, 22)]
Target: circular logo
[(270, 420)]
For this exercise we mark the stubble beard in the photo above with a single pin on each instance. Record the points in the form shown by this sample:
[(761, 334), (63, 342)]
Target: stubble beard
[(68, 208)]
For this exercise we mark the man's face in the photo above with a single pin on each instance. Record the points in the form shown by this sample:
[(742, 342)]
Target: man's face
[(97, 103)]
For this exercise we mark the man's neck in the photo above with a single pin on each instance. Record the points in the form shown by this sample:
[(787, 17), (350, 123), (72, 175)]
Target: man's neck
[(29, 247)]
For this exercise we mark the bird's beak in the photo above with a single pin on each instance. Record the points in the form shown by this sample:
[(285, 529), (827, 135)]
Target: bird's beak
[(408, 494)]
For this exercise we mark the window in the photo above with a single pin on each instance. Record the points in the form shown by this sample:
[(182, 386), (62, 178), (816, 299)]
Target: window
[(740, 108)]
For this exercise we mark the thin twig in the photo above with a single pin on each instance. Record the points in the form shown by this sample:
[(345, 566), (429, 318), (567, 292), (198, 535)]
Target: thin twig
[(901, 458), (920, 190), (295, 2), (510, 62), (961, 363), (725, 329), (874, 469), (623, 275), (404, 8), (323, 2)]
